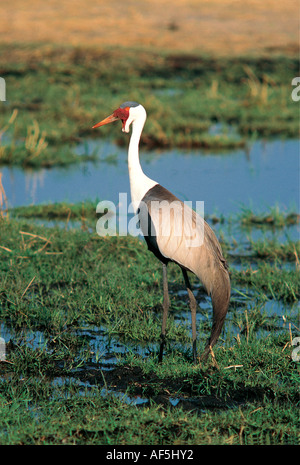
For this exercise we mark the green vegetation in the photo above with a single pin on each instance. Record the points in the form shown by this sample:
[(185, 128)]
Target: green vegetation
[(58, 211), (55, 95), (274, 282), (81, 314), (272, 249), (251, 399), (73, 304), (274, 218)]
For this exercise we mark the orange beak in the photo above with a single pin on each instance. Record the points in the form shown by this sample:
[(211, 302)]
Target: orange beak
[(109, 119)]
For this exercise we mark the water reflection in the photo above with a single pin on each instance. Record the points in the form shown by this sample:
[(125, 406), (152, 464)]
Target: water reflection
[(266, 175)]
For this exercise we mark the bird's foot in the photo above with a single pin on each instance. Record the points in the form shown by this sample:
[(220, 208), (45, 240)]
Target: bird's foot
[(208, 351)]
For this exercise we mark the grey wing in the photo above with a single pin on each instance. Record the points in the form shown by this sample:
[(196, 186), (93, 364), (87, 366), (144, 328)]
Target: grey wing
[(183, 236)]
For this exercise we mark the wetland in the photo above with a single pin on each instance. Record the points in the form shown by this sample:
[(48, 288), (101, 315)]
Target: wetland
[(81, 313)]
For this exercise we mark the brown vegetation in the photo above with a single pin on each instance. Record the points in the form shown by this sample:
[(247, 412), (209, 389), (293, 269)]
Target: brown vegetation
[(209, 26)]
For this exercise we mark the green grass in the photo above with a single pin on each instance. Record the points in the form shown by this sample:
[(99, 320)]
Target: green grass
[(62, 291), (271, 281), (274, 218), (272, 249), (251, 399), (57, 95), (58, 211), (82, 415)]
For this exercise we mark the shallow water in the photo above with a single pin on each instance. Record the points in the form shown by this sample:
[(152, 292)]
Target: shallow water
[(104, 350), (265, 175)]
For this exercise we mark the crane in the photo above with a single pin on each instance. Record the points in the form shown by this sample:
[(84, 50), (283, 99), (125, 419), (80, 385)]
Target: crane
[(174, 233)]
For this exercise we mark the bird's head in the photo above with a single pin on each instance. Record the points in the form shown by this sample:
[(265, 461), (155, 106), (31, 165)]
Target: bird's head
[(128, 113)]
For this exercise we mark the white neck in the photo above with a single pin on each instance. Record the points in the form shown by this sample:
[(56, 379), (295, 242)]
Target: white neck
[(139, 182)]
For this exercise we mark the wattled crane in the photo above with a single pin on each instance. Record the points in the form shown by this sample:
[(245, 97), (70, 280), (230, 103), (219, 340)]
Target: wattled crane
[(174, 232)]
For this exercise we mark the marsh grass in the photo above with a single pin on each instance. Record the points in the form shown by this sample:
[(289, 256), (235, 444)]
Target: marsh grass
[(271, 281), (250, 399), (57, 285), (33, 150), (269, 278), (274, 218), (273, 250), (60, 93), (58, 211)]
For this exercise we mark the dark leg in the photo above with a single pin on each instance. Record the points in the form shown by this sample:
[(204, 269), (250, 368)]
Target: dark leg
[(193, 307), (166, 304)]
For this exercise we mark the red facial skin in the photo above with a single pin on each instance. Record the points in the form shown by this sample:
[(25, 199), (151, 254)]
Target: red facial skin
[(122, 114)]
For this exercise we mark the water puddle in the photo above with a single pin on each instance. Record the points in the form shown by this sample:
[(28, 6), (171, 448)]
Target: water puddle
[(98, 349), (99, 359)]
